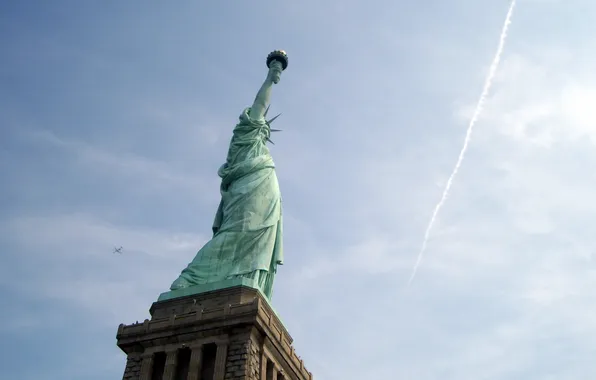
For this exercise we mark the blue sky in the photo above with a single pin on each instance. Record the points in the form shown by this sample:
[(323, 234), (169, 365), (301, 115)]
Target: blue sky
[(114, 117)]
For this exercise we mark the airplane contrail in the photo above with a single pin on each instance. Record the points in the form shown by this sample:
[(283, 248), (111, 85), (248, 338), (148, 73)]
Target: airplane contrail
[(491, 74)]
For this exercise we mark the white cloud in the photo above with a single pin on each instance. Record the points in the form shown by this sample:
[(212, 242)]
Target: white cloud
[(508, 282), (577, 106), (534, 136), (536, 101), (79, 234), (143, 172), (506, 288), (70, 258)]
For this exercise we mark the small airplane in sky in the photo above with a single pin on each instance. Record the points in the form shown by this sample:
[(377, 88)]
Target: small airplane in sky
[(118, 250)]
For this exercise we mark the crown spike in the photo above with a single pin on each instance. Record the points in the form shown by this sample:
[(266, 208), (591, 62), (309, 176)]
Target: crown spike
[(273, 119)]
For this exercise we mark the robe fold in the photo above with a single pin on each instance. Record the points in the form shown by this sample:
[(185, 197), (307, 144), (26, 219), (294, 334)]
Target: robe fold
[(247, 230)]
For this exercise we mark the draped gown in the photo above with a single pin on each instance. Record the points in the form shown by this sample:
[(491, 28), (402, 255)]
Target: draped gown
[(247, 231)]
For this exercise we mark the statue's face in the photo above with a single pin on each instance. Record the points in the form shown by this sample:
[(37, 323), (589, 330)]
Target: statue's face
[(276, 70)]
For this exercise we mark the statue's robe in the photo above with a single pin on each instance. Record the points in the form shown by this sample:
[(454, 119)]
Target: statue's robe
[(247, 231)]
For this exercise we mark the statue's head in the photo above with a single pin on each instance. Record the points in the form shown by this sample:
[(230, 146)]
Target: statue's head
[(275, 68)]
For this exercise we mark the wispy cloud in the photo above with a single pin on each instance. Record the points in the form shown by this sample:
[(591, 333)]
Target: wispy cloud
[(70, 258), (114, 139), (137, 169)]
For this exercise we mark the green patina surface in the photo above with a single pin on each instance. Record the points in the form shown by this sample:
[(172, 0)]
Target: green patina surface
[(246, 246)]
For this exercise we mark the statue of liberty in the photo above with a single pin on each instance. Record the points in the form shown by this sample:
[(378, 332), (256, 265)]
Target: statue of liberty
[(247, 231)]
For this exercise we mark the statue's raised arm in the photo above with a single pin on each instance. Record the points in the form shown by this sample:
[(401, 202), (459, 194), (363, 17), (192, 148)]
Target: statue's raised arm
[(277, 61), (246, 247)]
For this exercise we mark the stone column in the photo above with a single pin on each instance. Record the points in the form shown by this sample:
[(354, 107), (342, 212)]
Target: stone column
[(196, 361), (170, 367), (133, 366), (220, 361), (274, 372), (263, 366), (146, 367)]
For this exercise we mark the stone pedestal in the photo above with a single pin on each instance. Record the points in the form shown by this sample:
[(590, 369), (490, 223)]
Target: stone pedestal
[(225, 334)]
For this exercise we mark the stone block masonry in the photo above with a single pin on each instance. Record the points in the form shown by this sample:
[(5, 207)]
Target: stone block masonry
[(226, 334)]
